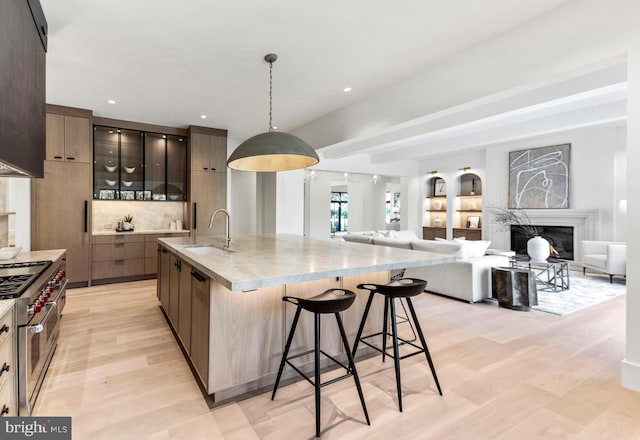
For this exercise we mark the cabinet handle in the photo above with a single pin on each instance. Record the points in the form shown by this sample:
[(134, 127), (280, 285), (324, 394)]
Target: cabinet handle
[(86, 216), (57, 157), (5, 328), (213, 169), (198, 277), (71, 158), (5, 367), (119, 245), (5, 410), (118, 261), (205, 168), (195, 215)]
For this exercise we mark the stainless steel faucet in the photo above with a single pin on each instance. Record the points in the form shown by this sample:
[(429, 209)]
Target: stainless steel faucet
[(226, 224)]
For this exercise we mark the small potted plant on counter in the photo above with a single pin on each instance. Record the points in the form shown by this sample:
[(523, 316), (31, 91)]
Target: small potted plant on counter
[(127, 225)]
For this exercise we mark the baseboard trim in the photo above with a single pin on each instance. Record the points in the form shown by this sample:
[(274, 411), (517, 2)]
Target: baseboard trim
[(630, 375)]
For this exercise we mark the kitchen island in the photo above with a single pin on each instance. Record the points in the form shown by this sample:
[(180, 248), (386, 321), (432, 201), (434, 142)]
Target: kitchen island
[(225, 305)]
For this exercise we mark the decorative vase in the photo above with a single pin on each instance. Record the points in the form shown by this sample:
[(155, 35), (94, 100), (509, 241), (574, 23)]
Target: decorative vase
[(127, 226), (472, 206), (538, 248), (437, 222), (437, 204)]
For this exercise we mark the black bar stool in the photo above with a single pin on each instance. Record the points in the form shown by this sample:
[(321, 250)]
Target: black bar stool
[(330, 301), (401, 288)]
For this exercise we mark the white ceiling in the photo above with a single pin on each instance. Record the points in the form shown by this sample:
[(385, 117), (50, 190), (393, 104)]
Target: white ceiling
[(168, 62)]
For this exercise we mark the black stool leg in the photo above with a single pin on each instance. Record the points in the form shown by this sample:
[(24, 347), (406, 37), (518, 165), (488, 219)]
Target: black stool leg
[(396, 351), (424, 343), (352, 366), (316, 383), (385, 327), (286, 351), (362, 322)]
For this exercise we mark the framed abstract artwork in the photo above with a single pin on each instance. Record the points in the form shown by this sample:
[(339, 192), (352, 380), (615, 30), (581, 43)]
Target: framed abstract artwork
[(539, 177)]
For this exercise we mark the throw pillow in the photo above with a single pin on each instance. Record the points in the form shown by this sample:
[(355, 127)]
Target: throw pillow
[(439, 246)]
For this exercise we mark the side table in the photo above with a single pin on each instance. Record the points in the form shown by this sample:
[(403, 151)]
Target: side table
[(514, 288)]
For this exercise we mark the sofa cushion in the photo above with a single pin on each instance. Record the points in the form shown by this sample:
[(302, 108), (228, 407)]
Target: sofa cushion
[(392, 242), (358, 238), (472, 248), (404, 235), (441, 247), (595, 260)]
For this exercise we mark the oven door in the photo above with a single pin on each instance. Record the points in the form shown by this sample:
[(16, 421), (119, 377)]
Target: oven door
[(38, 340)]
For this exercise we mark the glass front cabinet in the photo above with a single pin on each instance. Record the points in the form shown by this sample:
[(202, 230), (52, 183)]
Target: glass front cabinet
[(137, 165)]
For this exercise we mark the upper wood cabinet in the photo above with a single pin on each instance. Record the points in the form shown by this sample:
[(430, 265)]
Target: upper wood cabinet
[(68, 138), (209, 152)]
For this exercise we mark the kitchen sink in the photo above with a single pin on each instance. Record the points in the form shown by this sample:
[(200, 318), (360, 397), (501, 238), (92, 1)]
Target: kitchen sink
[(207, 249)]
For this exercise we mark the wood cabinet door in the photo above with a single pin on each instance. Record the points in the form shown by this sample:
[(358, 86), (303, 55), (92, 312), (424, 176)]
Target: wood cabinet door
[(200, 301), (77, 139), (61, 217), (174, 290), (218, 153), (199, 152), (208, 192), (184, 306), (55, 137), (164, 280)]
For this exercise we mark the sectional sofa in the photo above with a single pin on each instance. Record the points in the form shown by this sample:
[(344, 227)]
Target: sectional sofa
[(468, 278)]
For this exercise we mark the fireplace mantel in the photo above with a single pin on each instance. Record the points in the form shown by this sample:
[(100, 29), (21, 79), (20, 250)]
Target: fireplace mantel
[(584, 222)]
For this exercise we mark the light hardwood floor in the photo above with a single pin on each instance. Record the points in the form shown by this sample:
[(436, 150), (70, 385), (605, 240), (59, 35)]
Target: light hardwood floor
[(119, 373)]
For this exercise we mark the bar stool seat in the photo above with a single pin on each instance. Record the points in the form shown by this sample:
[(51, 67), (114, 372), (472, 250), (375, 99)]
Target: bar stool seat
[(330, 301), (401, 288)]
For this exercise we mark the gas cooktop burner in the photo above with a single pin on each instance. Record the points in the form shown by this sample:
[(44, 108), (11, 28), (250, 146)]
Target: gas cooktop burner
[(16, 277)]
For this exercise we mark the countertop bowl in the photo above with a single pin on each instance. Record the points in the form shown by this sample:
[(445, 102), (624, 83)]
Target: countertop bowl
[(127, 184), (129, 169), (7, 253), (111, 169), (110, 182)]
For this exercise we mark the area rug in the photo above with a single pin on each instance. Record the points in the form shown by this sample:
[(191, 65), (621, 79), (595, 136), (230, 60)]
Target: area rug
[(585, 291)]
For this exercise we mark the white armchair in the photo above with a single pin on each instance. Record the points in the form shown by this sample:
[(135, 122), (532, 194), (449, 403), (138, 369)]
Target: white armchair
[(608, 257)]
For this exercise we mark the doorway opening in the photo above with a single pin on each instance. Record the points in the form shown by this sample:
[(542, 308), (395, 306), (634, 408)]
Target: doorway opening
[(339, 212)]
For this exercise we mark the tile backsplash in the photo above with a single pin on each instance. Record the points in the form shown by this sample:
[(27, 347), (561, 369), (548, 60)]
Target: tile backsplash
[(146, 215)]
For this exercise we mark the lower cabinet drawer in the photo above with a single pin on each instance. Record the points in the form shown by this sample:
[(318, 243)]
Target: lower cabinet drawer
[(117, 251), (8, 401), (117, 268)]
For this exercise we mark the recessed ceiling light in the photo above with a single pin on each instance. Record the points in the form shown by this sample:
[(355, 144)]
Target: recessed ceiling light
[(203, 116), (111, 101), (347, 89)]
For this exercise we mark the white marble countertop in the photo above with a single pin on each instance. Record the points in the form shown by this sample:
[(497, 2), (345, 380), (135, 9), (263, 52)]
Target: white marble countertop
[(48, 255), (255, 261), (142, 231)]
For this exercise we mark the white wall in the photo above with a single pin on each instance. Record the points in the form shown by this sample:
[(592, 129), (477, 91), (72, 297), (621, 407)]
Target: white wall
[(631, 363), (19, 201), (290, 202), (594, 176)]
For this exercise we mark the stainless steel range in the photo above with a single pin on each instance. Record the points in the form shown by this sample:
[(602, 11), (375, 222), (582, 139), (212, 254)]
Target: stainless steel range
[(40, 291)]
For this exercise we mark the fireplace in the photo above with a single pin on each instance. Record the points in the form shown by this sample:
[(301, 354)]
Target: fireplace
[(559, 237)]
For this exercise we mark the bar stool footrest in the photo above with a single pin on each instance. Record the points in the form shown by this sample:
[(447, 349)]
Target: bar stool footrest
[(403, 342), (308, 379)]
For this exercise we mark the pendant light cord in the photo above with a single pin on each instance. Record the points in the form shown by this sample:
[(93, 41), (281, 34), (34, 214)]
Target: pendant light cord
[(271, 130)]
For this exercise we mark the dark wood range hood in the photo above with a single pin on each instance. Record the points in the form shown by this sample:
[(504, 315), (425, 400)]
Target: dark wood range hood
[(23, 44)]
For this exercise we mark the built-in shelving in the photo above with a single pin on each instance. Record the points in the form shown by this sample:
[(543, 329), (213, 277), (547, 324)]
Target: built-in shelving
[(468, 218)]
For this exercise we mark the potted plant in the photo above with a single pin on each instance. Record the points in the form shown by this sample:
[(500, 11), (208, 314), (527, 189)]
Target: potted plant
[(537, 247), (127, 225)]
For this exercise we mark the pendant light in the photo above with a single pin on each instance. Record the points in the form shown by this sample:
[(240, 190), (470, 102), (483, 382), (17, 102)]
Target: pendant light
[(272, 151)]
